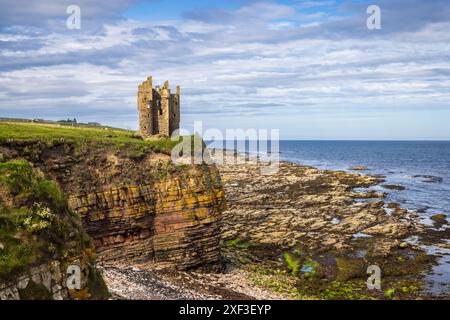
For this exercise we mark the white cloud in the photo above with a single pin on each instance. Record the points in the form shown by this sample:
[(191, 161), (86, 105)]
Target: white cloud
[(224, 67)]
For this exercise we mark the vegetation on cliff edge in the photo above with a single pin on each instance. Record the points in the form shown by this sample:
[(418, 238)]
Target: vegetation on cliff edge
[(55, 134), (35, 222)]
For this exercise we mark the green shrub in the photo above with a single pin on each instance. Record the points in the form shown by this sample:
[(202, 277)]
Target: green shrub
[(34, 218), (292, 263)]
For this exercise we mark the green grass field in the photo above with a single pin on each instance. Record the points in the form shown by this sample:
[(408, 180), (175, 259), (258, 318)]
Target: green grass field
[(50, 133)]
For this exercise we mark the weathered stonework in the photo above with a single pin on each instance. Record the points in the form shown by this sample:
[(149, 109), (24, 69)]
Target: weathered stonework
[(159, 110), (174, 222), (48, 281)]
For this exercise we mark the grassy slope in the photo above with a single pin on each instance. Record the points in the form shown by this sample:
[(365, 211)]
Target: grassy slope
[(35, 221), (36, 226), (11, 131)]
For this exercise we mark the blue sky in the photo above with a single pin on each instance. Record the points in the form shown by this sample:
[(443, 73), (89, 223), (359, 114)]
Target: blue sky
[(309, 68), (154, 10)]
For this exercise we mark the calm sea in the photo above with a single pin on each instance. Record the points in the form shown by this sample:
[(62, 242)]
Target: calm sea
[(422, 167)]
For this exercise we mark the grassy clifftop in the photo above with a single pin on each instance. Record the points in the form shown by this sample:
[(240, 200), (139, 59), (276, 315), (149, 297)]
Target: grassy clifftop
[(54, 134), (82, 159)]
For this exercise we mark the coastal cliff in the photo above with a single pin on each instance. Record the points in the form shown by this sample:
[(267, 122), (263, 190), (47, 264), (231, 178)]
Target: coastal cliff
[(173, 221), (299, 233), (134, 204)]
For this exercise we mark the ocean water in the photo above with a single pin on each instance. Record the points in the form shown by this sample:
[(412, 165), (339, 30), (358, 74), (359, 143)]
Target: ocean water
[(422, 167)]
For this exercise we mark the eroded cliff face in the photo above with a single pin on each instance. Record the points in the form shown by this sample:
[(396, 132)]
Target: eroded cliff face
[(135, 205), (173, 221)]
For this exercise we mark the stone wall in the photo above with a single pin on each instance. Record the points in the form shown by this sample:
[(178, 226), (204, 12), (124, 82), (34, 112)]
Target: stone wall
[(174, 221), (145, 105)]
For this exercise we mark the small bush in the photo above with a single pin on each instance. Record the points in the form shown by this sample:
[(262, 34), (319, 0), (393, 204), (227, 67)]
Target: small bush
[(292, 264), (34, 218)]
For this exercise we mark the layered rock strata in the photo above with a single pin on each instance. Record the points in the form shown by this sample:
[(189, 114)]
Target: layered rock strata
[(173, 221), (134, 203)]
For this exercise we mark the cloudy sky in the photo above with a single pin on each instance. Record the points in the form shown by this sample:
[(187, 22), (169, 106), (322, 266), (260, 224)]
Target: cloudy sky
[(309, 68)]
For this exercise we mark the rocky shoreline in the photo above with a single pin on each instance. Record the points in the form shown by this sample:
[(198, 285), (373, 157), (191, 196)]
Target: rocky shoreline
[(302, 233)]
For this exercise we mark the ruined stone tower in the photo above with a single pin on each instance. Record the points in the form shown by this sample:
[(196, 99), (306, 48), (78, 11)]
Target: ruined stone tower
[(159, 110)]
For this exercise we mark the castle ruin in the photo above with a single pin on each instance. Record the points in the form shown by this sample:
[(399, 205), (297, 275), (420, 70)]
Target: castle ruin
[(159, 110)]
